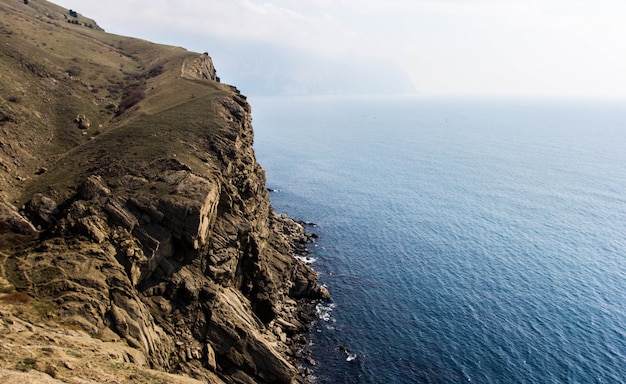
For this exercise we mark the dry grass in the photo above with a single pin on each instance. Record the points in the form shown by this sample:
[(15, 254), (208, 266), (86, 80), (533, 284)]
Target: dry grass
[(51, 71), (15, 298), (127, 88)]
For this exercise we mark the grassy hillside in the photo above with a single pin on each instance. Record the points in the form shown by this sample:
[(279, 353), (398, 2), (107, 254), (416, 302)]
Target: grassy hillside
[(132, 210), (53, 71)]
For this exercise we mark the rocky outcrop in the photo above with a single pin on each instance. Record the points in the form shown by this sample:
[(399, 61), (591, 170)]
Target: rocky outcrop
[(82, 121), (38, 351), (200, 67), (192, 269), (152, 227), (11, 220)]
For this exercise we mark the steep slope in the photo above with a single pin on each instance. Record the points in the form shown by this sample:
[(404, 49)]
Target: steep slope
[(132, 206)]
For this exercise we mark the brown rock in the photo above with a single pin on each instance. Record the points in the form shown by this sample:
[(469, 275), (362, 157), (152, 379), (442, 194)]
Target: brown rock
[(10, 218), (200, 67), (160, 229), (210, 357), (82, 121)]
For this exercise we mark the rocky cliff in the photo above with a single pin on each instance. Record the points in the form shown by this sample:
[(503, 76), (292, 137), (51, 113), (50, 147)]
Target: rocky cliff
[(133, 210)]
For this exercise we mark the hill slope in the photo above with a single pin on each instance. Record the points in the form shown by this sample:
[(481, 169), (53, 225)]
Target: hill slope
[(133, 213)]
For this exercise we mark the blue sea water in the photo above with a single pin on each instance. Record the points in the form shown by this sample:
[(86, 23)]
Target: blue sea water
[(462, 241)]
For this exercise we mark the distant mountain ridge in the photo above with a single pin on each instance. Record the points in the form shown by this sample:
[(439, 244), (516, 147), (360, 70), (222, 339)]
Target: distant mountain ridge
[(137, 240)]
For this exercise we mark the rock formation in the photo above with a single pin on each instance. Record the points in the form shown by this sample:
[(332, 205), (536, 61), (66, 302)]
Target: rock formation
[(200, 67), (151, 228)]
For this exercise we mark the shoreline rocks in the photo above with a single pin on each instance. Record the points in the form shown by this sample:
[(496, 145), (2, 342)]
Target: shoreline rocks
[(153, 227), (200, 280)]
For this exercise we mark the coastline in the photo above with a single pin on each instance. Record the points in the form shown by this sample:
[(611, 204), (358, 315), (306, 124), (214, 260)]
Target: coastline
[(297, 325), (136, 213)]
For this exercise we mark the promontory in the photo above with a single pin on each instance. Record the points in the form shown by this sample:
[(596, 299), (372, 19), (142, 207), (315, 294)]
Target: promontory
[(137, 240)]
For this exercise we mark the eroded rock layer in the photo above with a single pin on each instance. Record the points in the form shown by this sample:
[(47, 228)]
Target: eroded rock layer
[(151, 225)]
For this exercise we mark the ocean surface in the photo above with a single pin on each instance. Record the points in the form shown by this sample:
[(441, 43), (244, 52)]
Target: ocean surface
[(462, 241)]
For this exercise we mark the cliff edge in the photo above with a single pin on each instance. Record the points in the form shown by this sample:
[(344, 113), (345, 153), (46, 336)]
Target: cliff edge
[(136, 234)]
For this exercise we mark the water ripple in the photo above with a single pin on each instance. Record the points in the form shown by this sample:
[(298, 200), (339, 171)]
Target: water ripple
[(461, 242)]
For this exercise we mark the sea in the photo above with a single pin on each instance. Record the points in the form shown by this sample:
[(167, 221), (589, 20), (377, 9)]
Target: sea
[(462, 240)]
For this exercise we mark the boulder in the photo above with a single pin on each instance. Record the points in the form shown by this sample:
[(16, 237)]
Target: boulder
[(12, 220), (94, 187), (200, 67), (82, 121)]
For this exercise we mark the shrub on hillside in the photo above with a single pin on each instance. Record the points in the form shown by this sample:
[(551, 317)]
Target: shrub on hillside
[(155, 71), (133, 97), (74, 71)]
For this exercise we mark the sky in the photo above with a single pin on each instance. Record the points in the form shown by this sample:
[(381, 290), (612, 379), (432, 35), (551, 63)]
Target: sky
[(545, 48)]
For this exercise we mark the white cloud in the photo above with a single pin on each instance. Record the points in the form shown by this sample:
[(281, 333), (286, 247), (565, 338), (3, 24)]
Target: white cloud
[(458, 46)]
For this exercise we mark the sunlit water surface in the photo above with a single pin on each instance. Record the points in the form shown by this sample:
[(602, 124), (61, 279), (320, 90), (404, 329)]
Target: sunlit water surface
[(461, 241)]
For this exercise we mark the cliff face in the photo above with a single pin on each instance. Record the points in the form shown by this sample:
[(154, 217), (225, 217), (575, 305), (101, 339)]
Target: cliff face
[(133, 207)]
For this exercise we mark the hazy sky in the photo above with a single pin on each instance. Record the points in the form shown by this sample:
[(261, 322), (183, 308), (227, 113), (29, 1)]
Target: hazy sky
[(513, 47)]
